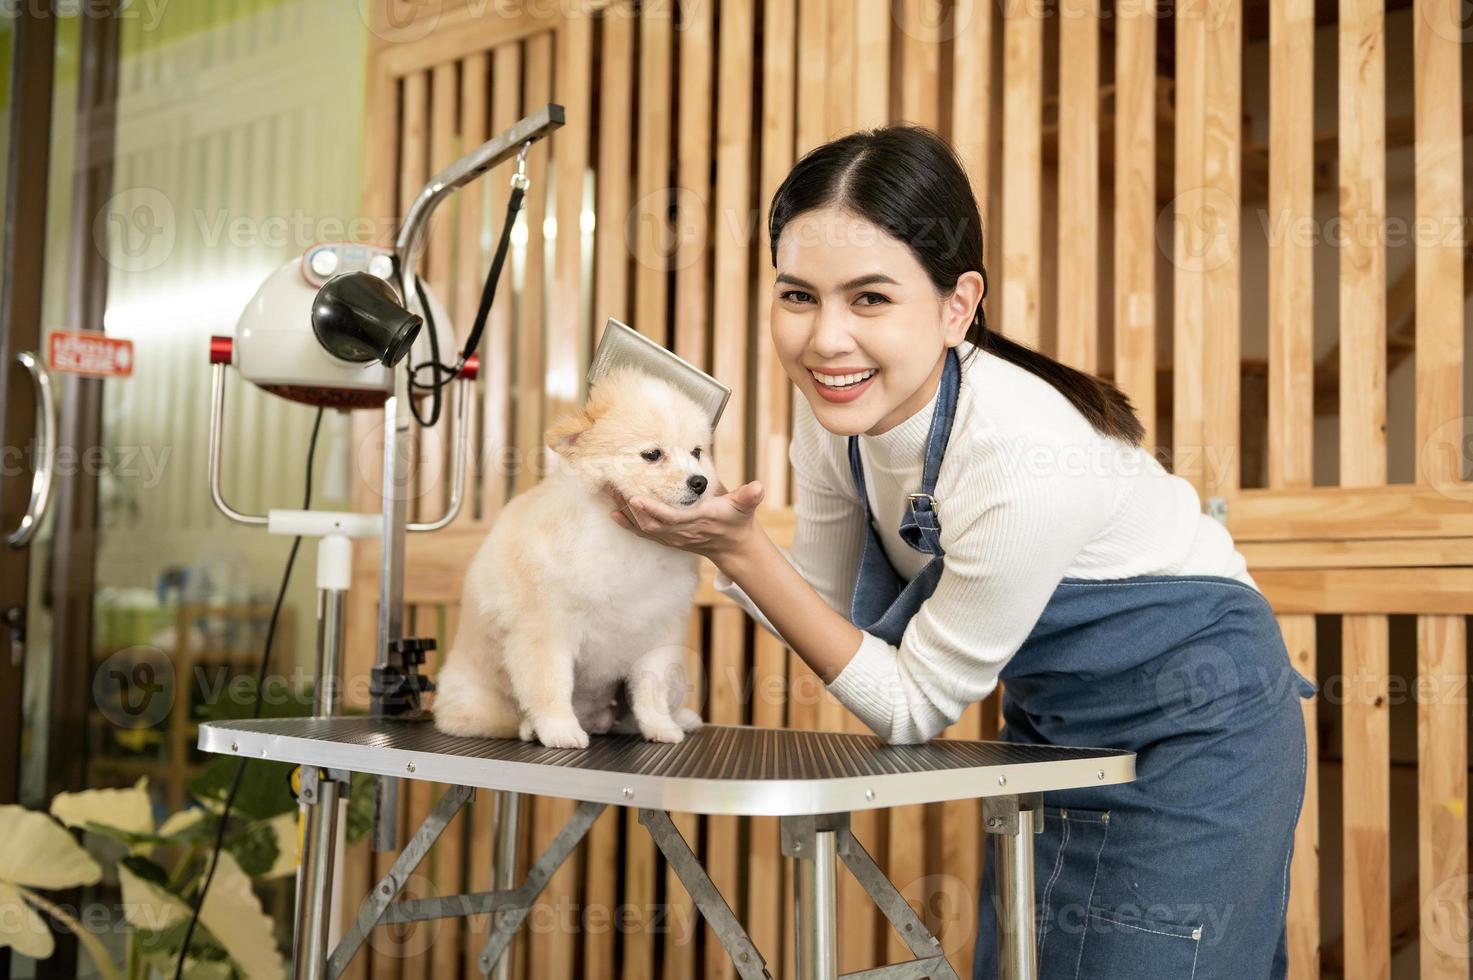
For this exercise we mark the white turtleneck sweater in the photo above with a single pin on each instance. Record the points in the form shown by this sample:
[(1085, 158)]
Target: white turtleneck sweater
[(1028, 494)]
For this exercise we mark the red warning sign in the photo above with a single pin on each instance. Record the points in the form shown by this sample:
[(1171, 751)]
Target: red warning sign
[(93, 354)]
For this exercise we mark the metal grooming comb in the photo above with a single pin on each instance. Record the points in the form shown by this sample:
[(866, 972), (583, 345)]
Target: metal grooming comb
[(623, 346)]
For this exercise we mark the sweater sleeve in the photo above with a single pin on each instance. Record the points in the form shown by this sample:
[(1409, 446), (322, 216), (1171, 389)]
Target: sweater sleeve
[(1019, 528)]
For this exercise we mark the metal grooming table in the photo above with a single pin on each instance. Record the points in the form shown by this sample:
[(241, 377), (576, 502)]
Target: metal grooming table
[(811, 780)]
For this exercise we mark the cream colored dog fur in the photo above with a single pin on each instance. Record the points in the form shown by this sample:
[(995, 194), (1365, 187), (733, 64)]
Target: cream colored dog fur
[(569, 623)]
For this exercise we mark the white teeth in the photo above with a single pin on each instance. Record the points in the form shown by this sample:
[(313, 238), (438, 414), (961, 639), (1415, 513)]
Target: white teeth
[(840, 380)]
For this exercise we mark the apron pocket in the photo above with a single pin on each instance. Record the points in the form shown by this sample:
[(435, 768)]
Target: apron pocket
[(1119, 943), (1066, 862)]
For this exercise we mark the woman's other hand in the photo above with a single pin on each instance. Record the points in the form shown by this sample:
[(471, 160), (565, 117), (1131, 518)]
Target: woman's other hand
[(713, 528)]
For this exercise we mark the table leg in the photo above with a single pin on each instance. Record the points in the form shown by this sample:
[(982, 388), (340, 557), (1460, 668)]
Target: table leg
[(310, 947), (508, 830), (1012, 828), (817, 907)]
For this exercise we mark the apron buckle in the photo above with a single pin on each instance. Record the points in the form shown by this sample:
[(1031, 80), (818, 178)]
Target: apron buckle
[(911, 500)]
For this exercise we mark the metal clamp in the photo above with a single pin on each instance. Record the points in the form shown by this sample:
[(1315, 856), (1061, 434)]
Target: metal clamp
[(520, 180), (1000, 813), (45, 453)]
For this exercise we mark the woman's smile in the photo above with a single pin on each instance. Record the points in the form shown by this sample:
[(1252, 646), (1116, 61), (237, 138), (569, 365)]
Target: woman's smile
[(842, 387)]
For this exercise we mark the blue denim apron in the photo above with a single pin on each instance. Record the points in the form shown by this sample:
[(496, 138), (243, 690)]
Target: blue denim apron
[(1182, 874)]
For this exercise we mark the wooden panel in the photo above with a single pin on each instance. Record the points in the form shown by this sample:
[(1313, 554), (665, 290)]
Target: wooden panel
[(1079, 183), (1362, 170), (1304, 872), (920, 60), (1440, 260), (1290, 261), (471, 260), (498, 449), (1135, 212), (1022, 95), (1442, 795), (1188, 243), (1221, 256), (567, 328), (1366, 786), (531, 327), (1355, 553), (1377, 590), (1352, 512)]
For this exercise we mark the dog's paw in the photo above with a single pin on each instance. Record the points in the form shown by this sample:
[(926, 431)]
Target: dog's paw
[(525, 732), (687, 719), (667, 731), (560, 733)]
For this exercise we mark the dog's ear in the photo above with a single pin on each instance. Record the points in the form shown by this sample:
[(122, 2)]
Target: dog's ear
[(565, 432)]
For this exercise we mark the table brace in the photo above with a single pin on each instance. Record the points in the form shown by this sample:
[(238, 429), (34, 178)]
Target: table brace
[(813, 841)]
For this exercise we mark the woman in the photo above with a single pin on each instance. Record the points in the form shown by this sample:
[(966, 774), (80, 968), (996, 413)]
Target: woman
[(969, 509)]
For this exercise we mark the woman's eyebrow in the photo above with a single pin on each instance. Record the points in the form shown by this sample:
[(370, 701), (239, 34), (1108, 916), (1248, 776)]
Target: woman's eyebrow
[(864, 280)]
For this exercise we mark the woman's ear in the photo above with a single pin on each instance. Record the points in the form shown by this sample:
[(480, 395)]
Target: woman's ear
[(562, 438), (961, 306)]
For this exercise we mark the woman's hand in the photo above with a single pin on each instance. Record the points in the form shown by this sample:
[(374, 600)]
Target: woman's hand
[(714, 528)]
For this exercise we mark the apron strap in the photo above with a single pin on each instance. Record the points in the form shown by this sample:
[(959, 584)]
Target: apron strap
[(920, 525)]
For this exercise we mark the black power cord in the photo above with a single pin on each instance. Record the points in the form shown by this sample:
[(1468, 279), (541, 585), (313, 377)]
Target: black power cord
[(286, 577), (473, 340)]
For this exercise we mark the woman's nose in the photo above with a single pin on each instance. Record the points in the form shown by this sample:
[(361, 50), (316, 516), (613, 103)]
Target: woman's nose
[(831, 336)]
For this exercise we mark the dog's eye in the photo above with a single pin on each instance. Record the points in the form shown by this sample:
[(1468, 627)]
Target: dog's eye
[(696, 452), (651, 454)]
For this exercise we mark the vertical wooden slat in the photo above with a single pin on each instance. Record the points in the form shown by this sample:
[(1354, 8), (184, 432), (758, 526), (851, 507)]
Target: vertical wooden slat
[(1366, 791), (1442, 796), (1363, 249), (449, 857), (652, 233), (436, 268), (611, 264), (1135, 212), (842, 67), (1304, 873), (1079, 183), (566, 324), (531, 419), (871, 63), (920, 59), (500, 452), (1290, 268), (1221, 164), (1022, 171), (774, 389), (1440, 249), (1188, 314)]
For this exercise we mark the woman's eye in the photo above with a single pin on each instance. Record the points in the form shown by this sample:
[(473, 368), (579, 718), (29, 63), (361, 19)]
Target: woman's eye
[(651, 454), (796, 296), (876, 296), (696, 452)]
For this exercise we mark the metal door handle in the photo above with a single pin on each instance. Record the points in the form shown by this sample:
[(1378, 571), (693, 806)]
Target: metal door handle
[(45, 454)]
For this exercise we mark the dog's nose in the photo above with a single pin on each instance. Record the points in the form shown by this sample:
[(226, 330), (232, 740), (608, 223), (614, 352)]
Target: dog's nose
[(697, 483)]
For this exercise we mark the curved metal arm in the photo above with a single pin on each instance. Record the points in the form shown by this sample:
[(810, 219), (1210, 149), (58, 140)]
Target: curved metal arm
[(464, 389), (217, 422), (45, 453)]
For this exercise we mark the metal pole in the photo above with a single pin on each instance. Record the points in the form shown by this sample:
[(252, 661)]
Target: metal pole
[(508, 814), (310, 939), (1015, 926), (818, 938)]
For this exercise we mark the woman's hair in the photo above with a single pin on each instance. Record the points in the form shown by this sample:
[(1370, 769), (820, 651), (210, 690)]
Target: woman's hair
[(908, 181)]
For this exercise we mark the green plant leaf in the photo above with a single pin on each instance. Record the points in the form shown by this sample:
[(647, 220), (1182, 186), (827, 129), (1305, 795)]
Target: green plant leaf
[(39, 852), (233, 914), (254, 847)]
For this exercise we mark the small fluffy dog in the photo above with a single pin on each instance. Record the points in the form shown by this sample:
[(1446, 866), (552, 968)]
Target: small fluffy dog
[(569, 623)]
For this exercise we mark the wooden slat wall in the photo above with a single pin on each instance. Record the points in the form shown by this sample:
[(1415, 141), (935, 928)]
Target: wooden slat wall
[(702, 109)]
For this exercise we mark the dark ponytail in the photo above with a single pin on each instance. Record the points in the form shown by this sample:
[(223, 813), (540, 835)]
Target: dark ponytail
[(907, 180)]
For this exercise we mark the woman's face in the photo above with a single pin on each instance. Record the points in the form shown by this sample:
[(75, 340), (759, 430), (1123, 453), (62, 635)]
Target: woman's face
[(849, 299)]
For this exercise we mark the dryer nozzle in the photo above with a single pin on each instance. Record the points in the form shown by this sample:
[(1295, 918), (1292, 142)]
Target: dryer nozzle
[(357, 317)]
